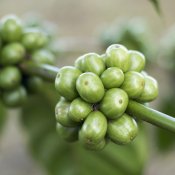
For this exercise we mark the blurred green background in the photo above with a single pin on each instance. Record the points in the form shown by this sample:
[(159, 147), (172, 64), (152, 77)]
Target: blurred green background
[(79, 25)]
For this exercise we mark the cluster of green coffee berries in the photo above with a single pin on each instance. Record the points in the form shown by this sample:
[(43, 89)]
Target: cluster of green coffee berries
[(17, 44), (95, 95)]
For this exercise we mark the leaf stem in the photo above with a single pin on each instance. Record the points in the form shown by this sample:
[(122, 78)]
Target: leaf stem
[(136, 109)]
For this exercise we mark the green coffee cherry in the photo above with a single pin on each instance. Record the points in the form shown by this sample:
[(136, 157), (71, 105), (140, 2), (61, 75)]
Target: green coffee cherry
[(11, 28), (65, 82), (90, 87), (122, 130), (94, 128), (10, 77), (43, 56), (133, 84), (61, 113), (114, 103), (67, 134), (90, 62), (15, 97), (34, 39), (117, 56), (103, 57), (137, 62), (93, 63), (112, 77), (95, 146), (150, 91), (79, 63), (79, 110), (12, 53)]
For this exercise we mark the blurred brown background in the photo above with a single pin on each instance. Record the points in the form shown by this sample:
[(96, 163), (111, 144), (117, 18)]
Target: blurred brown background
[(80, 19)]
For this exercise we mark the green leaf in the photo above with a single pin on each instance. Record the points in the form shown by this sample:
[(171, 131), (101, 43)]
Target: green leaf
[(62, 158), (156, 5)]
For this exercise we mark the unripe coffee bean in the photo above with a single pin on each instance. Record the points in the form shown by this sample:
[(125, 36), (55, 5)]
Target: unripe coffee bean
[(12, 53), (112, 77), (61, 113), (11, 28), (122, 130), (137, 62), (114, 103), (94, 128), (93, 63), (10, 77), (65, 82), (95, 146), (90, 87), (79, 63), (33, 39), (150, 91), (117, 56), (79, 110), (133, 84)]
